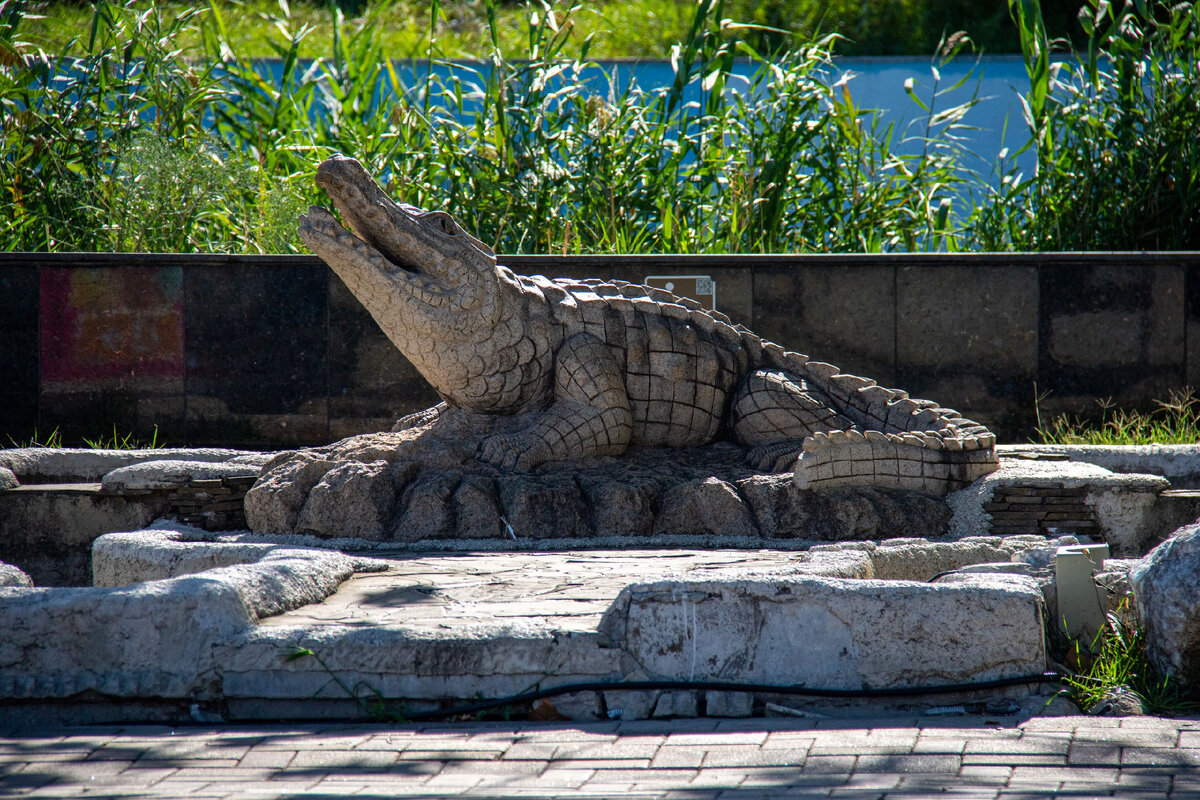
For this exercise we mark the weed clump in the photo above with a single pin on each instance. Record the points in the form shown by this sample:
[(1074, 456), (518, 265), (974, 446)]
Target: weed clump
[(1174, 421)]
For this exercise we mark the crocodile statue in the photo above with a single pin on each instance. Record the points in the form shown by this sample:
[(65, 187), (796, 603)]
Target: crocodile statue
[(598, 366)]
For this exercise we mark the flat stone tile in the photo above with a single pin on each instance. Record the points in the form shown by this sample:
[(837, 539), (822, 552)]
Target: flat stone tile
[(209, 774), (73, 770), (974, 772), (1145, 779), (908, 763), (725, 777), (1093, 754), (449, 754), (789, 740), (605, 787), (146, 776), (1013, 759), (606, 764), (829, 764), (859, 748), (270, 759), (489, 748), (634, 776), (452, 781), (1152, 722), (702, 739), (607, 750), (1091, 775), (1159, 757), (678, 757), (751, 756), (530, 751), (771, 725), (494, 767), (1028, 744), (568, 777), (945, 745), (593, 733)]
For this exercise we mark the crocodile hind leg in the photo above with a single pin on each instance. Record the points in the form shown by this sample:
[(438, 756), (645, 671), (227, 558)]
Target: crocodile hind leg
[(773, 411), (590, 414)]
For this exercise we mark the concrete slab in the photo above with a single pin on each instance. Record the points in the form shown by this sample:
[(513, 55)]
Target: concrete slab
[(1056, 496), (1178, 463), (74, 465), (194, 617)]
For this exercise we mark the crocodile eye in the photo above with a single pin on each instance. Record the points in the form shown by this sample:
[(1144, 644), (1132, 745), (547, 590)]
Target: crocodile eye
[(442, 222)]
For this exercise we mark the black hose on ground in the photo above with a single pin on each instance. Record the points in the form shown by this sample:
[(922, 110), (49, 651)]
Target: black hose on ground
[(725, 686)]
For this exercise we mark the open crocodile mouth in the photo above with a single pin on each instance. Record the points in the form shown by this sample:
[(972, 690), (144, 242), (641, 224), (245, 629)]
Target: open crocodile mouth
[(387, 239)]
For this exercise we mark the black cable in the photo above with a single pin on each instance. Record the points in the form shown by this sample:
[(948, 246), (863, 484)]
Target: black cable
[(723, 686)]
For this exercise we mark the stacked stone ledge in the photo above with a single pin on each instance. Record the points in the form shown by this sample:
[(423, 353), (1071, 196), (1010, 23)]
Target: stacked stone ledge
[(1041, 510)]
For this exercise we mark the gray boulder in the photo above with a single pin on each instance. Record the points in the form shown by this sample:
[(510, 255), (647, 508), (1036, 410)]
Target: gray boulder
[(1166, 585), (7, 479), (12, 576)]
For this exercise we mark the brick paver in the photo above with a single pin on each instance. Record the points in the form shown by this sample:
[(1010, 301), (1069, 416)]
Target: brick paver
[(972, 758)]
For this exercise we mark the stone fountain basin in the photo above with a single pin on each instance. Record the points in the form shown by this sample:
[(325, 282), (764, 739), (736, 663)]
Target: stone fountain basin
[(65, 499), (187, 619)]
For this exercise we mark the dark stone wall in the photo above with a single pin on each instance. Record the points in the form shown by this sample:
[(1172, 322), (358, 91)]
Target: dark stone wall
[(273, 351)]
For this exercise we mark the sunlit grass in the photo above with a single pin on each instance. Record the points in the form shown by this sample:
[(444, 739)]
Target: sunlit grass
[(641, 29), (1121, 662), (113, 441), (1174, 421)]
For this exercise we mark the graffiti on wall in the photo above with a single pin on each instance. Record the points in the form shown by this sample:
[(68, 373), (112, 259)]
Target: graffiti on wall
[(109, 326)]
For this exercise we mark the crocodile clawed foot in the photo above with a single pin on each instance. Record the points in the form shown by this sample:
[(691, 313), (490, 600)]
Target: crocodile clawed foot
[(420, 419), (775, 457), (519, 451)]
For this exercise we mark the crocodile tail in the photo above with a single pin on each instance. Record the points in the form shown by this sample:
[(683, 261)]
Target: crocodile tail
[(897, 442)]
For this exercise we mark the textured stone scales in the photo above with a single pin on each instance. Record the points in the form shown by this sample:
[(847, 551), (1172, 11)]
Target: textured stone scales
[(592, 367)]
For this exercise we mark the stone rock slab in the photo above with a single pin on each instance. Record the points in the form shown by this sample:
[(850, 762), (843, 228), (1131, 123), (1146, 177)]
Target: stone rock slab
[(424, 485), (222, 614), (73, 465), (831, 632), (13, 576), (1167, 592)]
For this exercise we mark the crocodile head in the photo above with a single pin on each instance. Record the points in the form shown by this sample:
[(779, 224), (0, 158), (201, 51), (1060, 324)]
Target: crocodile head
[(417, 272)]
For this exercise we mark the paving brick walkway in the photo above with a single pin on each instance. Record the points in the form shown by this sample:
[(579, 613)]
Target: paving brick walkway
[(688, 759)]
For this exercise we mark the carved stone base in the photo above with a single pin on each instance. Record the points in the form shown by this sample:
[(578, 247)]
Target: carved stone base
[(425, 483)]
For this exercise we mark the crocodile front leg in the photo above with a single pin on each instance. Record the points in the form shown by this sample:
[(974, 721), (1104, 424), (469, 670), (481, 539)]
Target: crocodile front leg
[(590, 414)]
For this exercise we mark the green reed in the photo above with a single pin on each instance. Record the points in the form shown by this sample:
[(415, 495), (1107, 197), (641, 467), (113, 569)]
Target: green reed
[(120, 143), (1114, 129)]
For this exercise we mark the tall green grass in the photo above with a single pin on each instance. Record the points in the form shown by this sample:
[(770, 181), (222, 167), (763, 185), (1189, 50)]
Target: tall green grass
[(529, 153), (1118, 661), (1115, 129), (118, 142)]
